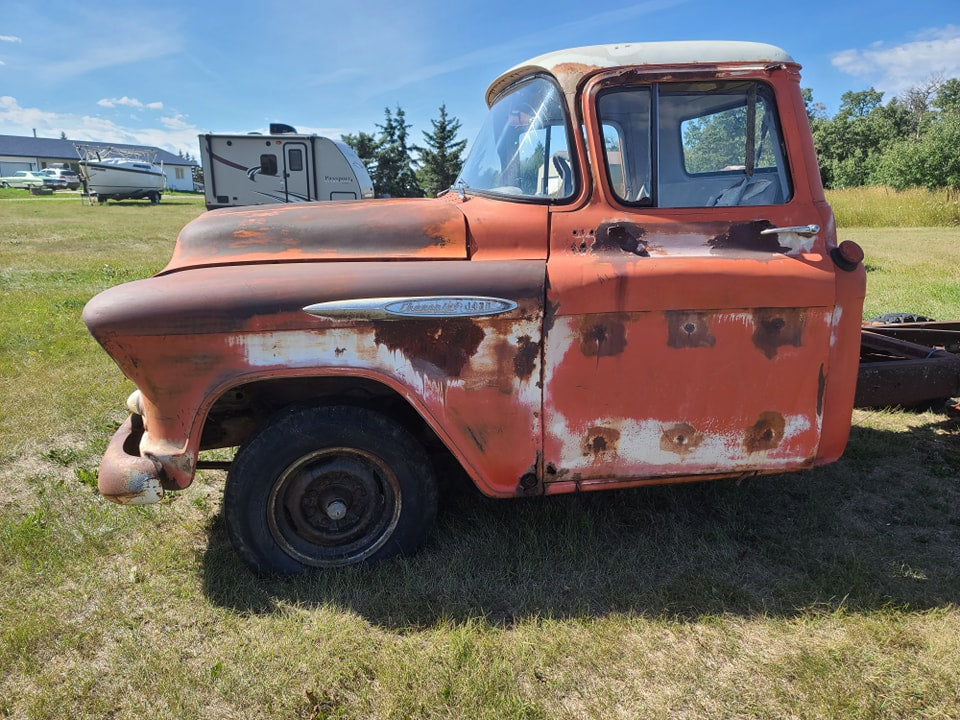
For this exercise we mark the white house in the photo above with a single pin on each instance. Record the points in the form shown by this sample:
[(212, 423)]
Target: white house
[(29, 153)]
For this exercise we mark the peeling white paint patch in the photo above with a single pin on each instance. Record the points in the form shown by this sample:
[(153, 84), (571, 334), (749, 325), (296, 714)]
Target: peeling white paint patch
[(796, 243), (639, 450), (559, 342), (357, 349), (834, 322), (336, 348)]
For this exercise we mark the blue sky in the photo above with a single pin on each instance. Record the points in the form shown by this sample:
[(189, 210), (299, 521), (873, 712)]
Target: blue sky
[(163, 72)]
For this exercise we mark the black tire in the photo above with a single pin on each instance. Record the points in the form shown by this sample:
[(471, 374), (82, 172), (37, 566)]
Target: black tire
[(328, 487), (154, 198)]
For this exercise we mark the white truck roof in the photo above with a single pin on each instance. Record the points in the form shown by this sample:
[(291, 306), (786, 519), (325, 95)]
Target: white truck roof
[(593, 57)]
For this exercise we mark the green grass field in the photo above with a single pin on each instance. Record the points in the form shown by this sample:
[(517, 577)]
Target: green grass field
[(827, 594)]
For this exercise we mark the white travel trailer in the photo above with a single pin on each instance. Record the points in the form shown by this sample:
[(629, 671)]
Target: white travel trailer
[(281, 167)]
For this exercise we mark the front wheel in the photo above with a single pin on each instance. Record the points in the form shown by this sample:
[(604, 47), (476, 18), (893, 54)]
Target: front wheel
[(328, 487)]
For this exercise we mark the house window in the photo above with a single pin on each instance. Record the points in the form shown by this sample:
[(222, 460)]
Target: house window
[(179, 172)]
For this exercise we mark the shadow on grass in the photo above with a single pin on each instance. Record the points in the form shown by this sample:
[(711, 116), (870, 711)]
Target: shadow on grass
[(879, 528), (146, 203)]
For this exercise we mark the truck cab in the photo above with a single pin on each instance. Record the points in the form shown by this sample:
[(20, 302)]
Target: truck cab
[(635, 280)]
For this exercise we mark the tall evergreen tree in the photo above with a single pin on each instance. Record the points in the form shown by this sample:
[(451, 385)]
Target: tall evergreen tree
[(442, 158), (366, 147), (395, 175)]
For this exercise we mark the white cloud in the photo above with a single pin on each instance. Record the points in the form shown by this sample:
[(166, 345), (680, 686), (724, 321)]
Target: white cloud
[(129, 102), (895, 68), (10, 38), (18, 120), (175, 122)]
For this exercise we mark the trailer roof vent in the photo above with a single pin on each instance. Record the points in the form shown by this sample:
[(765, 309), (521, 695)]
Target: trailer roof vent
[(282, 129)]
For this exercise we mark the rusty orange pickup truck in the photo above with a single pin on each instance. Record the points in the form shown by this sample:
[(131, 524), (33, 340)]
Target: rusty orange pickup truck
[(635, 280)]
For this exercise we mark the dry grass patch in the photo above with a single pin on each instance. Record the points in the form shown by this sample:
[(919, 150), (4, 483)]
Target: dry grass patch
[(881, 207)]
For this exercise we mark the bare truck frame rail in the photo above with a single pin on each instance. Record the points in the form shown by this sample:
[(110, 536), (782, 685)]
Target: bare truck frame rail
[(908, 363)]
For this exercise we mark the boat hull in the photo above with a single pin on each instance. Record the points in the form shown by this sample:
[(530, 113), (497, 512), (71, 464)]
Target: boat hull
[(121, 182)]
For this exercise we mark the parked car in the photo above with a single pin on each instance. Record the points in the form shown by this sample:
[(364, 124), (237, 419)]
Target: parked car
[(65, 174), (635, 280), (27, 179)]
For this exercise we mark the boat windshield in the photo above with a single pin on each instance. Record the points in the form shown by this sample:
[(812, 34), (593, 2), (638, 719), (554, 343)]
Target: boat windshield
[(523, 149)]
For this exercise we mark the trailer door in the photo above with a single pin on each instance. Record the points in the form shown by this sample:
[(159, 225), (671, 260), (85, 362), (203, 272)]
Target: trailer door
[(295, 175)]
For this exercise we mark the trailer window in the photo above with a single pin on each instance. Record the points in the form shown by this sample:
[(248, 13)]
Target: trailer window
[(268, 164), (295, 158)]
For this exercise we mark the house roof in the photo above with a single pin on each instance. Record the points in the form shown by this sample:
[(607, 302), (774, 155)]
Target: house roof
[(56, 149)]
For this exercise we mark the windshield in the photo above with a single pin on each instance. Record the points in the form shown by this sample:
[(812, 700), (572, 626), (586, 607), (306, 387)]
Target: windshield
[(523, 149)]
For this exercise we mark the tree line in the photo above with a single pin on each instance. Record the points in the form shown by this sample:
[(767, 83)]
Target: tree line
[(912, 140), (388, 155)]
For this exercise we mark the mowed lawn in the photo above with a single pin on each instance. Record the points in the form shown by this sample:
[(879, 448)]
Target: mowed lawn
[(827, 594)]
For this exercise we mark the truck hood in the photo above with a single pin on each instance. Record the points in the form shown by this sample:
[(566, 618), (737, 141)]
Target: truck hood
[(428, 229)]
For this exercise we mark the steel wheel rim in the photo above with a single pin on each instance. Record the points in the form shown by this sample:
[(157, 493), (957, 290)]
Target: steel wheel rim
[(334, 506)]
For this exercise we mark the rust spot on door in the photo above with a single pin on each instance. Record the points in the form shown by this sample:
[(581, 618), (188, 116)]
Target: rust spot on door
[(688, 329), (680, 439), (765, 434), (550, 311), (525, 360), (776, 327), (602, 335), (529, 483), (746, 236), (436, 348), (621, 236), (600, 442)]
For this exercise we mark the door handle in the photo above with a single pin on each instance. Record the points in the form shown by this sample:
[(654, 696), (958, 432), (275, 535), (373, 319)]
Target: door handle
[(801, 230)]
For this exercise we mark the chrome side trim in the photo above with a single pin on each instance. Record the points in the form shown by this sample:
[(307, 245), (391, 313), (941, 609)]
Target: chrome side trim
[(430, 306)]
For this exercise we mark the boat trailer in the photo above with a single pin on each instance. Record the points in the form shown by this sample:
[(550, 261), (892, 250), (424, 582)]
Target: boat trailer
[(908, 361)]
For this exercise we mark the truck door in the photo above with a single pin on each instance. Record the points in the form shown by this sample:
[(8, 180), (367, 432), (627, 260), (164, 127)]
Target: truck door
[(684, 341), (295, 174)]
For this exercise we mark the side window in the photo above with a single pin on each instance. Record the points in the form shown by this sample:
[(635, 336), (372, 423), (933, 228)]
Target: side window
[(717, 144), (268, 164), (627, 147)]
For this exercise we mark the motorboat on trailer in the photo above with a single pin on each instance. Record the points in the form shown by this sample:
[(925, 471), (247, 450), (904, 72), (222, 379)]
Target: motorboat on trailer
[(112, 174)]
